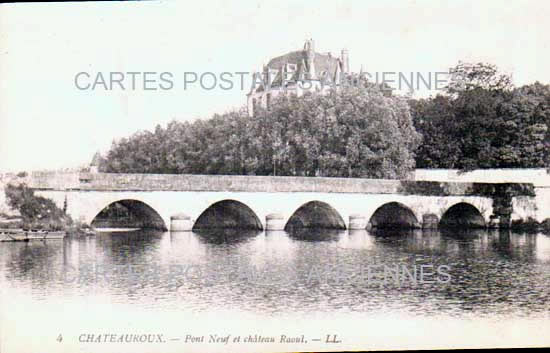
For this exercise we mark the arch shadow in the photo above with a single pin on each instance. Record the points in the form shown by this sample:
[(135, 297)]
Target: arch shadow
[(393, 215), (129, 213), (228, 214), (393, 232), (316, 234), (462, 215), (315, 214), (226, 236)]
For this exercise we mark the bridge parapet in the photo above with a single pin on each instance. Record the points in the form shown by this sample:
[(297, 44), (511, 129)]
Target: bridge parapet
[(238, 183), (539, 177)]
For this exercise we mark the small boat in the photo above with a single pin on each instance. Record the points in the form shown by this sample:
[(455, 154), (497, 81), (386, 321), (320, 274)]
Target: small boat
[(29, 234), (12, 235), (43, 235)]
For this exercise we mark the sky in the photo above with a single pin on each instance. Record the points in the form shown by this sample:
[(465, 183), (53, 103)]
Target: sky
[(47, 122)]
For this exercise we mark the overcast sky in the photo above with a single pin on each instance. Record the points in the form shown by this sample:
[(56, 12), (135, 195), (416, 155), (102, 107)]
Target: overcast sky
[(46, 122)]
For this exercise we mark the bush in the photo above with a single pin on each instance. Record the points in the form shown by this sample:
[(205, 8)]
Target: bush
[(529, 226), (37, 212)]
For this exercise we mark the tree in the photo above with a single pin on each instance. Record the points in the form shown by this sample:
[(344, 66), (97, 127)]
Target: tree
[(471, 76), (352, 131), (484, 123), (36, 211), (433, 118)]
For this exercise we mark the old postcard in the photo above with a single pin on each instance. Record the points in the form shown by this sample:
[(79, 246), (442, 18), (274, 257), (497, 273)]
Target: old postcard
[(274, 176)]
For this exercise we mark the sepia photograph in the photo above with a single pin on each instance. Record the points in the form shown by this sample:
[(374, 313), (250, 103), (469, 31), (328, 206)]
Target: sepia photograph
[(274, 176)]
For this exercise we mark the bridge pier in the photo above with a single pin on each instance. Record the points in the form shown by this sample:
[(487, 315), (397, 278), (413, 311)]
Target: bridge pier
[(274, 221), (430, 221), (500, 222), (181, 223), (357, 221)]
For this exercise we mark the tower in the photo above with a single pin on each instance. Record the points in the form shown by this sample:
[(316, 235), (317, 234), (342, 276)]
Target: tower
[(309, 49), (344, 58)]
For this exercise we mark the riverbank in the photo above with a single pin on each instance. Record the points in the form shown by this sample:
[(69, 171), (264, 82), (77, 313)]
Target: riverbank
[(532, 226)]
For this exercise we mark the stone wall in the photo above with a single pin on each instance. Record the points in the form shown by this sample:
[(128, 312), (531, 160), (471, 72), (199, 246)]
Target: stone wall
[(539, 176)]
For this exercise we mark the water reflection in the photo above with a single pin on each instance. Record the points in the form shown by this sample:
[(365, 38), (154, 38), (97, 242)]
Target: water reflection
[(463, 233), (316, 234), (305, 270), (31, 260), (543, 247), (121, 248), (229, 236), (392, 232), (356, 239), (515, 246)]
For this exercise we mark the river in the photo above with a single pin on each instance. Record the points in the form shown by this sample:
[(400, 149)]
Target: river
[(370, 288)]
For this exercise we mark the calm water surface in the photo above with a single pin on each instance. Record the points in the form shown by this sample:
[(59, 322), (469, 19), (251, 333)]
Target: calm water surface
[(273, 273)]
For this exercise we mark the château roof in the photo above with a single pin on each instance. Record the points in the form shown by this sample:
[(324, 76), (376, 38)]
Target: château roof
[(300, 65), (322, 62)]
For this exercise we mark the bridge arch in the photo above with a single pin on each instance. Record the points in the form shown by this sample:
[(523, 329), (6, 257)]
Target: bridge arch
[(128, 213), (462, 215), (228, 214), (394, 215), (315, 214)]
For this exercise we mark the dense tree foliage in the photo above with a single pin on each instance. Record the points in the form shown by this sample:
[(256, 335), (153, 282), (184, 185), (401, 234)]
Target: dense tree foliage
[(354, 131), (36, 211), (471, 76), (484, 122), (479, 121)]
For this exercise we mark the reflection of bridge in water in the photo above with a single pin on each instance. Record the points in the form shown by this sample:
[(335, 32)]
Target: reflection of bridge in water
[(185, 202)]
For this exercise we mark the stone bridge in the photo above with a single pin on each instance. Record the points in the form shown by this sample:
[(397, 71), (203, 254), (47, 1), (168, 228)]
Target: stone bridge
[(185, 202)]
